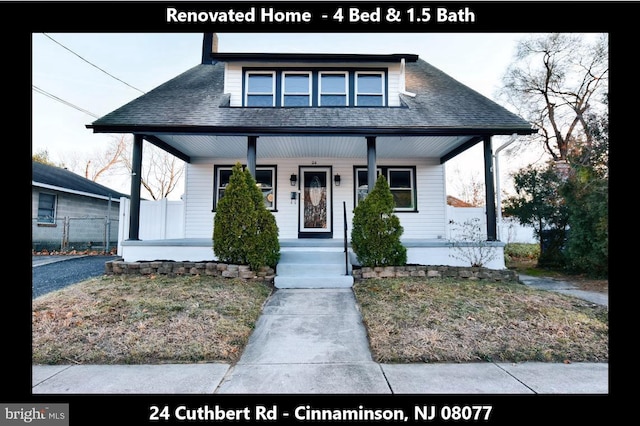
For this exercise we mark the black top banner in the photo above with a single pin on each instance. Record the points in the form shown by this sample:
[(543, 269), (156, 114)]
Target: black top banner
[(331, 16)]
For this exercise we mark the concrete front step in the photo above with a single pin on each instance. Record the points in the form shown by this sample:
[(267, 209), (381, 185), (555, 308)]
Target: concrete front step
[(338, 281), (312, 269)]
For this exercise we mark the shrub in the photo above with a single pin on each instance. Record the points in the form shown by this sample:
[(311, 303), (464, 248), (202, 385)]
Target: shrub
[(522, 251), (244, 231), (472, 245), (376, 232)]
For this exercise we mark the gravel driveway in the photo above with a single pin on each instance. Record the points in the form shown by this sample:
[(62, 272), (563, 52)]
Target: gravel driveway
[(50, 273)]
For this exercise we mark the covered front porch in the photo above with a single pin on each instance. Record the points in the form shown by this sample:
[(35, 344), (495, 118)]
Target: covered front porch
[(419, 252)]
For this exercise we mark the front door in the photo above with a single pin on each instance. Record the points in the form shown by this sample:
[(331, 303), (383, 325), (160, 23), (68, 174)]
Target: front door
[(315, 203)]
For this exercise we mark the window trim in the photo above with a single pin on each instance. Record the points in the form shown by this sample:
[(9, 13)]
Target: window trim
[(53, 208), (309, 92), (248, 74), (384, 170), (382, 88), (345, 74), (274, 186)]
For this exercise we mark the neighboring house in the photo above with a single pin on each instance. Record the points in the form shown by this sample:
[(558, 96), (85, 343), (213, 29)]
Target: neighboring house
[(310, 128), (69, 212)]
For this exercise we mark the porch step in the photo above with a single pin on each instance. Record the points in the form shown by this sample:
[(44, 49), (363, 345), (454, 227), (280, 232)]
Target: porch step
[(312, 269)]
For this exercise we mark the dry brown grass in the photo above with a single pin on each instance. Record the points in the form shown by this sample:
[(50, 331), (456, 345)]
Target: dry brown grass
[(154, 319), (134, 320), (418, 320)]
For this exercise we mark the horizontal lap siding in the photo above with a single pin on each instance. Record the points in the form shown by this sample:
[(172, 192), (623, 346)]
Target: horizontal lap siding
[(428, 223), (199, 200), (233, 78)]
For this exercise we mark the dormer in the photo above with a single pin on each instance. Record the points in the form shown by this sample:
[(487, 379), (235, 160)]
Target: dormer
[(299, 80)]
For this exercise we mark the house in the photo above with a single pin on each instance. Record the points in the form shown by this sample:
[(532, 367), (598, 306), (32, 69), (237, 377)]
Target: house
[(69, 212), (310, 128)]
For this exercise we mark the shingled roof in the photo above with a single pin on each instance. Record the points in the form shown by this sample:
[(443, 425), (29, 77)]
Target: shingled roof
[(61, 179), (194, 102)]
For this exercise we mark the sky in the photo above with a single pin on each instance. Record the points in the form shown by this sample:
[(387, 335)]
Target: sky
[(78, 77)]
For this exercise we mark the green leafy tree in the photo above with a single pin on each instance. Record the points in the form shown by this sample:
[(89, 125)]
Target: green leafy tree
[(376, 232), (245, 232), (539, 203), (586, 192)]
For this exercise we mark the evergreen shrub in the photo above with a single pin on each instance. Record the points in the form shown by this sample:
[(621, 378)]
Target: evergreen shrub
[(376, 232), (244, 231)]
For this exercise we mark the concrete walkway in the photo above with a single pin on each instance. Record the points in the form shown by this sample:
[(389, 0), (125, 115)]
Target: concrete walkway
[(313, 341)]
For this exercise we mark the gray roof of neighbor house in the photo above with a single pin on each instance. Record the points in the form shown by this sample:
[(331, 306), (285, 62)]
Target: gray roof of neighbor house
[(53, 177), (195, 102)]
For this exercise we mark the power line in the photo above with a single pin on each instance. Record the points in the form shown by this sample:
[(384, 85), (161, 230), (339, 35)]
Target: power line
[(93, 65), (43, 92)]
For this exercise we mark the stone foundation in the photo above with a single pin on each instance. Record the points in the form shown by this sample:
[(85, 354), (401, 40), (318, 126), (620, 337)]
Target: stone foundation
[(455, 272), (171, 268)]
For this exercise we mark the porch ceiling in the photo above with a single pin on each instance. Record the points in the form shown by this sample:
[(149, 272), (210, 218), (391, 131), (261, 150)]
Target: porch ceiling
[(232, 146)]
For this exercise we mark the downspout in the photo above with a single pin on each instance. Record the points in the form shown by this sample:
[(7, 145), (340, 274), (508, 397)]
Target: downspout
[(498, 196)]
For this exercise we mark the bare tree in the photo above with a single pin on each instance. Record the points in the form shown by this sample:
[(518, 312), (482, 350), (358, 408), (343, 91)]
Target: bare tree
[(161, 171), (555, 81)]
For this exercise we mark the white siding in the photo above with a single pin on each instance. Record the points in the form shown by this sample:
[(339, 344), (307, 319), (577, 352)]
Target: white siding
[(394, 85), (428, 223), (198, 200), (233, 77)]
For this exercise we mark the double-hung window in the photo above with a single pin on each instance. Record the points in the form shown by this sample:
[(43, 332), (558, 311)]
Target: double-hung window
[(46, 208), (296, 89), (261, 89), (265, 180), (401, 181), (369, 88), (333, 89)]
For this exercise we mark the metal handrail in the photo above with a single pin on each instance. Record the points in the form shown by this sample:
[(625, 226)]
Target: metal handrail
[(346, 252)]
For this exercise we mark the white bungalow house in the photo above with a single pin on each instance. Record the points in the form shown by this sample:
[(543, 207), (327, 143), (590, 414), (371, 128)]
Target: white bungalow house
[(308, 124)]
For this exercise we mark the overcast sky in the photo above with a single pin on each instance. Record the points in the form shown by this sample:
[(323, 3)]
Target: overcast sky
[(78, 77)]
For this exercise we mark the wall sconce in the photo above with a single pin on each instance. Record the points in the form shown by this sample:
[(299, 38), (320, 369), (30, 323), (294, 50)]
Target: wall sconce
[(336, 180), (294, 180)]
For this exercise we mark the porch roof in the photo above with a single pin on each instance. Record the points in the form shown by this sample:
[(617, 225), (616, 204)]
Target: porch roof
[(190, 116)]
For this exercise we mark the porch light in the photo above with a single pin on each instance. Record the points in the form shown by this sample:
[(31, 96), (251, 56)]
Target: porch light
[(336, 180), (294, 180)]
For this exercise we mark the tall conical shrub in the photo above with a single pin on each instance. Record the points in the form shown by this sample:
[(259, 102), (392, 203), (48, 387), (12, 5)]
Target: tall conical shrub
[(244, 231), (376, 232)]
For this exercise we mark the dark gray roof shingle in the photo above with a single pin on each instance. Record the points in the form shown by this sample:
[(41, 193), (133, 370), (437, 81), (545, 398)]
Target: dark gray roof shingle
[(195, 100), (62, 178)]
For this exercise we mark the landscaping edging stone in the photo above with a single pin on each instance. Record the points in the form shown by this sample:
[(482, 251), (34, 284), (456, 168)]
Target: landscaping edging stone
[(441, 271), (172, 268), (225, 270)]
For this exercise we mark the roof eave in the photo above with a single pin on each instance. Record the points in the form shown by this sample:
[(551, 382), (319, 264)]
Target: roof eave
[(330, 130)]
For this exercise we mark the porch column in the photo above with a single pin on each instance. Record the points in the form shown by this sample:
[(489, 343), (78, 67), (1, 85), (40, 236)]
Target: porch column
[(371, 163), (136, 179), (251, 154), (490, 193)]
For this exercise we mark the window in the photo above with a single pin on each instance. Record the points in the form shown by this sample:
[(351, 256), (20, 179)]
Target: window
[(297, 89), (260, 90), (46, 208), (265, 180), (401, 181), (323, 87), (333, 89), (369, 89)]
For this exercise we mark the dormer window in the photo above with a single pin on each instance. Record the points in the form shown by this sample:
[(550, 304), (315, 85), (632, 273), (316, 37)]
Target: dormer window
[(261, 89), (333, 89), (369, 89), (297, 89), (320, 87)]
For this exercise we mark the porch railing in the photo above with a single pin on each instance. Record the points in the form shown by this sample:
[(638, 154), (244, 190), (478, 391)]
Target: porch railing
[(346, 251)]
